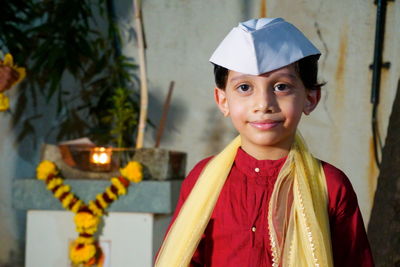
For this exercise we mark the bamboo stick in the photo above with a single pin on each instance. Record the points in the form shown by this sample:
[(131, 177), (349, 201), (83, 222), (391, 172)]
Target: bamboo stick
[(263, 8), (143, 75)]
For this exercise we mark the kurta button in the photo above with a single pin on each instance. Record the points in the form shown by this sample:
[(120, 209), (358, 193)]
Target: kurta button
[(253, 229), (257, 170)]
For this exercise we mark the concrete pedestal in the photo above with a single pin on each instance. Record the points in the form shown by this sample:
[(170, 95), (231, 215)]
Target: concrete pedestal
[(127, 239), (130, 236)]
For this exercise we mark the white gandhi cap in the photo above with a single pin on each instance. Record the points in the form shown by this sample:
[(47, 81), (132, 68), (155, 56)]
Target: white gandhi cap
[(261, 45)]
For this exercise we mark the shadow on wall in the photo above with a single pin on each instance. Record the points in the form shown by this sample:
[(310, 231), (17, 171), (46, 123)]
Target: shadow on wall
[(176, 114), (18, 160), (217, 133), (246, 9), (16, 259)]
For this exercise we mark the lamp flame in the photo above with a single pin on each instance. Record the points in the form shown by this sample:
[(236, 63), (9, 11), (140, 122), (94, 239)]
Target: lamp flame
[(101, 156)]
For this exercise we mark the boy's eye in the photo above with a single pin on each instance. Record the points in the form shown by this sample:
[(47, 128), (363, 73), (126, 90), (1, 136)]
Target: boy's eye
[(243, 87), (281, 87)]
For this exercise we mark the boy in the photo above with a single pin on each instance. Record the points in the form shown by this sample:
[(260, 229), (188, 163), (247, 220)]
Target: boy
[(265, 200)]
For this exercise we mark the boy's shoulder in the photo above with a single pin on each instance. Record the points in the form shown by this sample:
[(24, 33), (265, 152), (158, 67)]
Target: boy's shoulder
[(338, 184), (342, 198), (198, 168), (335, 178), (193, 175)]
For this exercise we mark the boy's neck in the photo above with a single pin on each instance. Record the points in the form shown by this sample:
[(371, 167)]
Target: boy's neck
[(267, 152), (272, 153)]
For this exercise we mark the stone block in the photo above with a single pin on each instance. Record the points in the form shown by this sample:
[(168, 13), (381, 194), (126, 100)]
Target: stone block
[(158, 164)]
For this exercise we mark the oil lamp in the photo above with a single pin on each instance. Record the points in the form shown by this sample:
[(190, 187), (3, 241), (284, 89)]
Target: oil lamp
[(100, 159)]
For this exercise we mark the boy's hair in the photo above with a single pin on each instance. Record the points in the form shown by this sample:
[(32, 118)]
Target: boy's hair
[(307, 68)]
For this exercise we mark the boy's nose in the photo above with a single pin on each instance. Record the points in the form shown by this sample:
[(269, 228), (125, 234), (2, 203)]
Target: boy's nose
[(265, 102)]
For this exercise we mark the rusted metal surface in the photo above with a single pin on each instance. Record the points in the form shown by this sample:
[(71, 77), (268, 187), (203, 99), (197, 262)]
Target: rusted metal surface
[(341, 69)]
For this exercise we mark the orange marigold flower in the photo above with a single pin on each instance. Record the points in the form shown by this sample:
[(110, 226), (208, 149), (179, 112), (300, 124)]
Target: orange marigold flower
[(10, 74), (61, 190), (81, 253), (86, 222), (93, 208), (67, 200), (101, 201), (4, 102), (133, 171), (46, 168), (54, 182), (85, 240), (119, 185), (78, 204)]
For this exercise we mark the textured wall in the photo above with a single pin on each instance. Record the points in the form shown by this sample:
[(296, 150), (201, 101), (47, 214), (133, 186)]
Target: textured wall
[(181, 36)]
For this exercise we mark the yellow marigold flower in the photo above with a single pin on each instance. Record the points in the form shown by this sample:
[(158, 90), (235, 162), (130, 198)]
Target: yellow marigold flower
[(133, 171), (67, 200), (54, 182), (4, 102), (110, 194), (86, 222), (101, 200), (117, 183), (96, 210), (9, 62), (81, 253), (76, 206), (85, 240), (46, 168), (61, 190)]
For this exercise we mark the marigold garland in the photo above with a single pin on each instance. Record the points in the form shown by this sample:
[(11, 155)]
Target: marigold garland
[(4, 102), (85, 249), (9, 62), (10, 75)]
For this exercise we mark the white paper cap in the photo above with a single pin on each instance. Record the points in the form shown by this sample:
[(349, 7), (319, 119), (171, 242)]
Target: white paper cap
[(262, 45)]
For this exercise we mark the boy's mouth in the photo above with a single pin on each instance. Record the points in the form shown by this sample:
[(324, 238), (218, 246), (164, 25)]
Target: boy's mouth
[(264, 124)]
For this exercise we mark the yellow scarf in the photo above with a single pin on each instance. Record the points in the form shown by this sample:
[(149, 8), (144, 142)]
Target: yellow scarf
[(297, 214)]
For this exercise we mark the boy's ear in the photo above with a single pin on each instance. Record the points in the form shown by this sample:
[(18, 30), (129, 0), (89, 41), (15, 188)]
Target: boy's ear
[(312, 99), (220, 99)]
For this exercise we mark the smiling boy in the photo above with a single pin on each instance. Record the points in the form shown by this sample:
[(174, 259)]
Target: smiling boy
[(265, 200), (266, 119)]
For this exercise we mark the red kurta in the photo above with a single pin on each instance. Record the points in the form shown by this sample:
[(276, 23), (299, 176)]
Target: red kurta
[(237, 234)]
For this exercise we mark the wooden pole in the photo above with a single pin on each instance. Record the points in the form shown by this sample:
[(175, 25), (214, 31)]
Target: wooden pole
[(163, 120), (263, 8), (143, 75)]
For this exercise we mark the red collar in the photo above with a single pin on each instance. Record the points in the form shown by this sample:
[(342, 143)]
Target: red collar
[(263, 170)]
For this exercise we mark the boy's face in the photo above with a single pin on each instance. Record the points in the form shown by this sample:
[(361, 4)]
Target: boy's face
[(266, 109)]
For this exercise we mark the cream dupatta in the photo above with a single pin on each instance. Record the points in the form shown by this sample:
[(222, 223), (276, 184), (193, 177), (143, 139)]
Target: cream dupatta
[(297, 215)]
